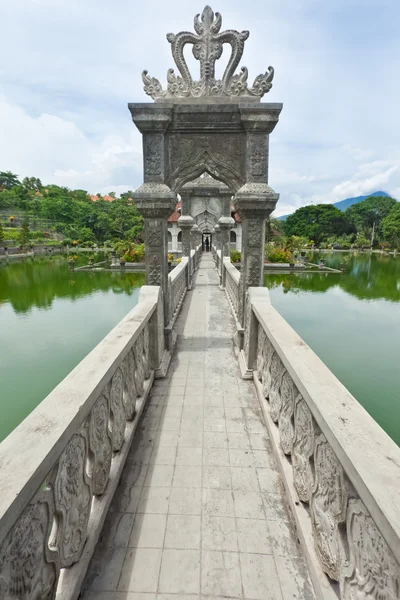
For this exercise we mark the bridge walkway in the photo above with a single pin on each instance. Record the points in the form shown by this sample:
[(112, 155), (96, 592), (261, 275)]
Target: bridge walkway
[(200, 511)]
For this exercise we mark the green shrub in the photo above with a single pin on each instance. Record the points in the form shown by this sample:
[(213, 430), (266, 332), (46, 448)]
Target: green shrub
[(66, 242), (236, 256), (279, 255)]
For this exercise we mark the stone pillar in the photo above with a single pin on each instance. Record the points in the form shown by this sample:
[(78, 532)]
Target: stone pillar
[(225, 225), (195, 241), (156, 211), (254, 203), (217, 238), (186, 223)]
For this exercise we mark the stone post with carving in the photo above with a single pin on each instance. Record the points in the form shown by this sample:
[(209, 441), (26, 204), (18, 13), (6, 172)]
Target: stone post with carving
[(154, 199), (194, 241), (225, 225), (186, 222), (254, 203)]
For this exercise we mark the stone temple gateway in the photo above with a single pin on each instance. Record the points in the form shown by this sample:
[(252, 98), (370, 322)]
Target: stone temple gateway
[(215, 126), (160, 472)]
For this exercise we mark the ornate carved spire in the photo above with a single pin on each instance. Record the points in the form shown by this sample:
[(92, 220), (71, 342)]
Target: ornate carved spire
[(208, 44)]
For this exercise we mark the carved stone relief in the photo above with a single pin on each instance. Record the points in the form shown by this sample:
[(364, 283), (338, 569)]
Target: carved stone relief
[(153, 154), (154, 268), (255, 232), (261, 351), (372, 572), (154, 232), (139, 369), (118, 412), (146, 352), (207, 44), (258, 157), (328, 508), (29, 570), (73, 500), (277, 371), (130, 386), (303, 450), (100, 445), (286, 422)]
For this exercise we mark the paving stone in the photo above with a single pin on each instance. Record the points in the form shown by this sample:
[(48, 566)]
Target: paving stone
[(185, 501), (219, 533), (260, 578), (248, 505), (154, 500), (221, 574), (148, 531), (180, 572), (218, 503), (140, 570), (183, 532), (253, 536), (200, 511)]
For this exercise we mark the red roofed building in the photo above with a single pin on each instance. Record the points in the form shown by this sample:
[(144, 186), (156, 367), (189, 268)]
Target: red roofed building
[(94, 198)]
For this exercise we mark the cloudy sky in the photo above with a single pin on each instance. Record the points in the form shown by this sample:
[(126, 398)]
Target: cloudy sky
[(69, 67)]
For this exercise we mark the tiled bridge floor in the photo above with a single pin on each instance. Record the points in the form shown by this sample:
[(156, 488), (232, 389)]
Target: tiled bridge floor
[(200, 510)]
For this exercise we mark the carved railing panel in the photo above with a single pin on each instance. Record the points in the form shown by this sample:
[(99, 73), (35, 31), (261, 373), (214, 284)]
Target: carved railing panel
[(51, 529), (73, 499), (100, 445), (177, 285), (350, 547), (29, 569), (371, 570)]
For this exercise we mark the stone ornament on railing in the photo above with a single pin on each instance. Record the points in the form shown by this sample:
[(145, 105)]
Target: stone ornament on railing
[(29, 569), (208, 44), (52, 530), (372, 570), (73, 499), (349, 545), (100, 445)]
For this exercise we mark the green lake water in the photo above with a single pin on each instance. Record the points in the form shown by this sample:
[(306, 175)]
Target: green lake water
[(50, 318), (352, 321)]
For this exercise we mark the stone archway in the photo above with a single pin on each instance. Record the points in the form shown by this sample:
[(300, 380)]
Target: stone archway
[(206, 126)]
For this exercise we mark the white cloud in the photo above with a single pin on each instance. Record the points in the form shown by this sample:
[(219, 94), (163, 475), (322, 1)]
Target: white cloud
[(64, 117)]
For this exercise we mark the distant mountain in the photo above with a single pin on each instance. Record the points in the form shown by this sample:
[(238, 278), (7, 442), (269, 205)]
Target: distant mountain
[(343, 204)]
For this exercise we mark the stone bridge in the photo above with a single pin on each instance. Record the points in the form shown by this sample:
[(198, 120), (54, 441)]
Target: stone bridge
[(201, 450)]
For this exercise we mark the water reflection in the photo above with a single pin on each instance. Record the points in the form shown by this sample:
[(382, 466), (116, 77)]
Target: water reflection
[(366, 276), (38, 282)]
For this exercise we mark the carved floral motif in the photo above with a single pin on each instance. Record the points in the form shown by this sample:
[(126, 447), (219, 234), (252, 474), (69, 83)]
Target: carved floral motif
[(266, 375), (130, 386), (277, 371), (154, 232), (303, 450), (29, 570), (73, 499), (152, 154), (328, 507), (146, 352), (247, 321), (286, 426), (139, 369), (118, 412), (100, 445), (207, 49), (372, 572), (261, 351), (154, 269)]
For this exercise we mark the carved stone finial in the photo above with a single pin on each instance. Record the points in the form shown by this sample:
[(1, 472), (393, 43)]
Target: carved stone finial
[(207, 48)]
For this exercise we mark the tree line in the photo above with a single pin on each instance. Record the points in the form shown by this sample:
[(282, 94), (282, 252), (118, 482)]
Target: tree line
[(374, 222), (73, 213)]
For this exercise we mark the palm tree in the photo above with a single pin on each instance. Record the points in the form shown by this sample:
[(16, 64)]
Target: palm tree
[(8, 180)]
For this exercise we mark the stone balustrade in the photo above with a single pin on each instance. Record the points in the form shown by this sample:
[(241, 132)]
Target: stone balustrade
[(177, 283), (232, 276), (341, 470), (61, 466)]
